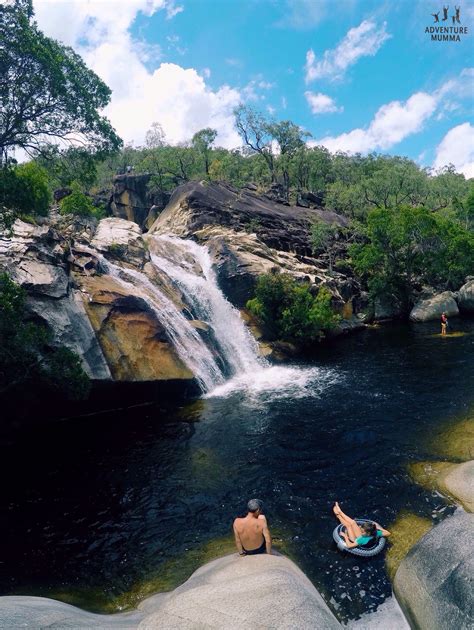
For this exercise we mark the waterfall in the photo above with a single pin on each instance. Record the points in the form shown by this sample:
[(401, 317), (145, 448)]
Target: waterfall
[(189, 267), (186, 340), (224, 358)]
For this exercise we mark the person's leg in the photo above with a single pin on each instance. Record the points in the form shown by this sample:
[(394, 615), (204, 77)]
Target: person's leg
[(353, 529)]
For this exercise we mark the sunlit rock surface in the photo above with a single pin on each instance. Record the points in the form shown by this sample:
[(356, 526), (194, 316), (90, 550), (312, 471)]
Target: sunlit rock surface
[(231, 592), (435, 582), (433, 307)]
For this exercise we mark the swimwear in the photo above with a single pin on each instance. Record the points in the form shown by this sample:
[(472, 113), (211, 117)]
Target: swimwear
[(254, 552), (363, 540)]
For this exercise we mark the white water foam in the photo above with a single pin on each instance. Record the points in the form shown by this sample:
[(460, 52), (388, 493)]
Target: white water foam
[(189, 266), (388, 616)]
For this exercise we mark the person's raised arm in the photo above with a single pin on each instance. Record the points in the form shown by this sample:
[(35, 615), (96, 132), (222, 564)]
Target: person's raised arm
[(385, 532), (238, 544)]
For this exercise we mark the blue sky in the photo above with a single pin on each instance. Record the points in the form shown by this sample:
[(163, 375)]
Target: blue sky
[(360, 75)]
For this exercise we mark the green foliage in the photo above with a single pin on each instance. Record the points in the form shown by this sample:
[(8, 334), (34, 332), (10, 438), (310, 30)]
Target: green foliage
[(26, 355), (118, 250), (23, 190), (46, 90), (289, 310), (78, 204), (409, 247), (322, 236), (72, 165)]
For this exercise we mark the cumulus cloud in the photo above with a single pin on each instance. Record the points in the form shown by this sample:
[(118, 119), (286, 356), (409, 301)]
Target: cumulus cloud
[(392, 123), (396, 120), (361, 41), (321, 103), (176, 97), (457, 147)]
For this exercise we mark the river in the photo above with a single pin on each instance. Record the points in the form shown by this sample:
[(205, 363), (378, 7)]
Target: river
[(94, 506)]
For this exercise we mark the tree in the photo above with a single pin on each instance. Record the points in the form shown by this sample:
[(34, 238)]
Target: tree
[(289, 310), (255, 131), (290, 138), (201, 142), (72, 165), (409, 247), (46, 90), (24, 189), (155, 136), (322, 237)]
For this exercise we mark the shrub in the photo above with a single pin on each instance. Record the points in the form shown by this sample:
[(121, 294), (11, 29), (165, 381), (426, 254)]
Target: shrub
[(24, 190), (288, 310), (77, 203)]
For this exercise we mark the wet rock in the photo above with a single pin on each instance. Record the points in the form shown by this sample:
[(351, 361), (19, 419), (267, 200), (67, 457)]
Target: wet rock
[(432, 308), (465, 297), (435, 582)]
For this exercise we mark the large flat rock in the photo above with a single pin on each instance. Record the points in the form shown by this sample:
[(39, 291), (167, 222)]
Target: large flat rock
[(231, 593), (435, 582)]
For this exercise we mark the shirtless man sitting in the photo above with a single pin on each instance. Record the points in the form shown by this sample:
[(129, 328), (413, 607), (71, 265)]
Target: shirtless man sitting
[(252, 535)]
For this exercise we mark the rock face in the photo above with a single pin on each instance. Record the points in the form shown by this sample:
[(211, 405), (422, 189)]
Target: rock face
[(466, 297), (130, 199), (267, 592), (107, 322), (458, 480), (435, 582), (432, 308), (249, 235)]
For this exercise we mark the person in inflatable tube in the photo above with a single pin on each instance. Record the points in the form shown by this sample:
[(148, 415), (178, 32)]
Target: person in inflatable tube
[(355, 534)]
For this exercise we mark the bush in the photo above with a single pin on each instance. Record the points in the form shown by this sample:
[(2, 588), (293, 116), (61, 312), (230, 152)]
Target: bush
[(77, 203), (24, 190), (289, 311)]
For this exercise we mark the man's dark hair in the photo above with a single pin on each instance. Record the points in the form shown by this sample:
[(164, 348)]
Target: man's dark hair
[(254, 505)]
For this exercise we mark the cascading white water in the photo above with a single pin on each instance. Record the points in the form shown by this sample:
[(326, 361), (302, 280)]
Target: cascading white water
[(189, 345), (189, 266)]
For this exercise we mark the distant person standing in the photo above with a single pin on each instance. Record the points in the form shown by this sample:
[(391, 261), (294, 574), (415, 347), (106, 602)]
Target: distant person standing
[(444, 323), (252, 535)]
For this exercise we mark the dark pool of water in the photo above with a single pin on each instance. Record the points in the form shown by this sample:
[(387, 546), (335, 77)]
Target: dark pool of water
[(96, 505)]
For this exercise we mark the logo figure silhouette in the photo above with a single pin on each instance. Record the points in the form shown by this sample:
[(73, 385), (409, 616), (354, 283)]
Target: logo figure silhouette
[(445, 13), (436, 17), (456, 17)]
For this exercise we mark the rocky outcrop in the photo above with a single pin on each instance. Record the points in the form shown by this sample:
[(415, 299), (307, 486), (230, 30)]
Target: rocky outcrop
[(249, 235), (122, 240), (109, 323), (458, 480), (196, 205), (130, 199), (431, 308), (435, 582), (268, 592), (465, 297)]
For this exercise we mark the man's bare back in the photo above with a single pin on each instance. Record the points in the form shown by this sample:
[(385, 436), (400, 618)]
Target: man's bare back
[(252, 535)]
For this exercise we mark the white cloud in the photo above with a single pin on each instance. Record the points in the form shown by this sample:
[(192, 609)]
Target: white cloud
[(457, 147), (391, 124), (176, 97), (396, 120), (361, 41), (321, 103)]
